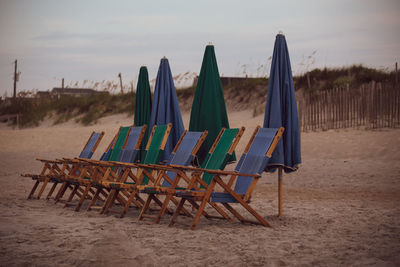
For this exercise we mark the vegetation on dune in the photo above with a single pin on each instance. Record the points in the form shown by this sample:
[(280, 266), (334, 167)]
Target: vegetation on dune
[(329, 78), (85, 109), (240, 94)]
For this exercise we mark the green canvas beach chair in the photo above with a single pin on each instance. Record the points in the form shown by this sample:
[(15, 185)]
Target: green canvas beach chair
[(129, 154), (91, 169), (247, 172), (152, 155), (56, 167), (216, 158), (79, 166)]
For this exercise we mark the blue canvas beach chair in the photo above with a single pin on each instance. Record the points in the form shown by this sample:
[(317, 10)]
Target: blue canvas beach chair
[(53, 167), (247, 172)]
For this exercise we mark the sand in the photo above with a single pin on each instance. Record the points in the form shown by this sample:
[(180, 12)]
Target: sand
[(341, 208)]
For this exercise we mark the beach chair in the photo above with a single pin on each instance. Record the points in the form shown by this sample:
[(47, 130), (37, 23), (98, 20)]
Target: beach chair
[(128, 153), (246, 174), (221, 150), (53, 166), (69, 165), (183, 154), (152, 155), (125, 147), (77, 165)]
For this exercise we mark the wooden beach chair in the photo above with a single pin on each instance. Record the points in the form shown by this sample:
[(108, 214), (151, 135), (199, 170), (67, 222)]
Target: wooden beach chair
[(54, 166), (76, 166), (125, 147), (246, 174), (183, 154), (128, 153), (69, 165), (217, 158), (152, 155)]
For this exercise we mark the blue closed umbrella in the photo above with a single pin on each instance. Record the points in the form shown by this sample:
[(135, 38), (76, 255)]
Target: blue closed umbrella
[(281, 110), (165, 107)]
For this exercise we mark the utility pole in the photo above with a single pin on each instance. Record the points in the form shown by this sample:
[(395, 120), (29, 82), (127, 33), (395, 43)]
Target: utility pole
[(62, 85), (396, 75), (15, 79), (120, 80)]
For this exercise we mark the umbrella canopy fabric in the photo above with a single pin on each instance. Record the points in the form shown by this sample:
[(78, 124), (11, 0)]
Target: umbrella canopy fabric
[(166, 108), (143, 105), (281, 109), (208, 109), (143, 99)]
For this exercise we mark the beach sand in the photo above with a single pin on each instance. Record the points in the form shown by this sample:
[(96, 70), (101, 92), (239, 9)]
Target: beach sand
[(341, 208)]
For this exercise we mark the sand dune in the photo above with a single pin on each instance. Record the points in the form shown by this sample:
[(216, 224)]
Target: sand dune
[(340, 208)]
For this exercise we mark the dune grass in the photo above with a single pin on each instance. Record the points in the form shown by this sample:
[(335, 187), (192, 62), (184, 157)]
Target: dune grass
[(246, 92), (84, 109)]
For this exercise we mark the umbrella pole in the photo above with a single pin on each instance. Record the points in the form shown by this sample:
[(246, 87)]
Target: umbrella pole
[(280, 191)]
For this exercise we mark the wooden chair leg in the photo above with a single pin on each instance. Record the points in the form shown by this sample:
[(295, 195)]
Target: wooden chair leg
[(93, 201), (196, 206), (145, 207), (115, 197), (83, 197), (177, 211), (128, 204), (71, 196), (63, 190), (46, 181), (110, 201), (163, 207), (203, 204), (51, 190), (241, 201), (221, 211), (185, 211), (234, 212), (33, 189)]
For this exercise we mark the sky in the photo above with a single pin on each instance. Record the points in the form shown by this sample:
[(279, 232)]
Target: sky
[(94, 40)]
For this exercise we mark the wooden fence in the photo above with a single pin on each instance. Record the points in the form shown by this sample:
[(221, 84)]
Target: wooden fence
[(370, 106)]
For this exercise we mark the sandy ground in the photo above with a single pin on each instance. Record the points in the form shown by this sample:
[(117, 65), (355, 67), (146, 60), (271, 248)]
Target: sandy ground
[(341, 208)]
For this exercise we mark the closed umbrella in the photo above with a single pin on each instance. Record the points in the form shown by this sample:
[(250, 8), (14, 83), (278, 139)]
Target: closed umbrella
[(208, 109), (143, 105), (165, 107), (281, 110)]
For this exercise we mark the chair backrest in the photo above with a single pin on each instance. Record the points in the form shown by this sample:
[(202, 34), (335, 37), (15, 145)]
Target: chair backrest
[(91, 145), (131, 147), (155, 146), (256, 156), (220, 151), (106, 154), (184, 152), (119, 143)]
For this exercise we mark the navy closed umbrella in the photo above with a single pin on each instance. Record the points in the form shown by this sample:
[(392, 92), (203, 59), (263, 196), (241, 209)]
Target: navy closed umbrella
[(281, 111), (165, 107)]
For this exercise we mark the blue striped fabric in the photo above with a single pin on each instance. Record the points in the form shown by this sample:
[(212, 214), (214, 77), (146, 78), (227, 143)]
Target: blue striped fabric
[(87, 152), (129, 153), (107, 153), (253, 162), (183, 155)]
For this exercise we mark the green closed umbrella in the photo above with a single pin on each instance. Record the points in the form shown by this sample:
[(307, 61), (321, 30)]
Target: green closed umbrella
[(143, 105), (208, 109)]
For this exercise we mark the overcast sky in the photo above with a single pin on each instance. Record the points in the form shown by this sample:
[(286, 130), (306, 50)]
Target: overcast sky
[(95, 40)]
